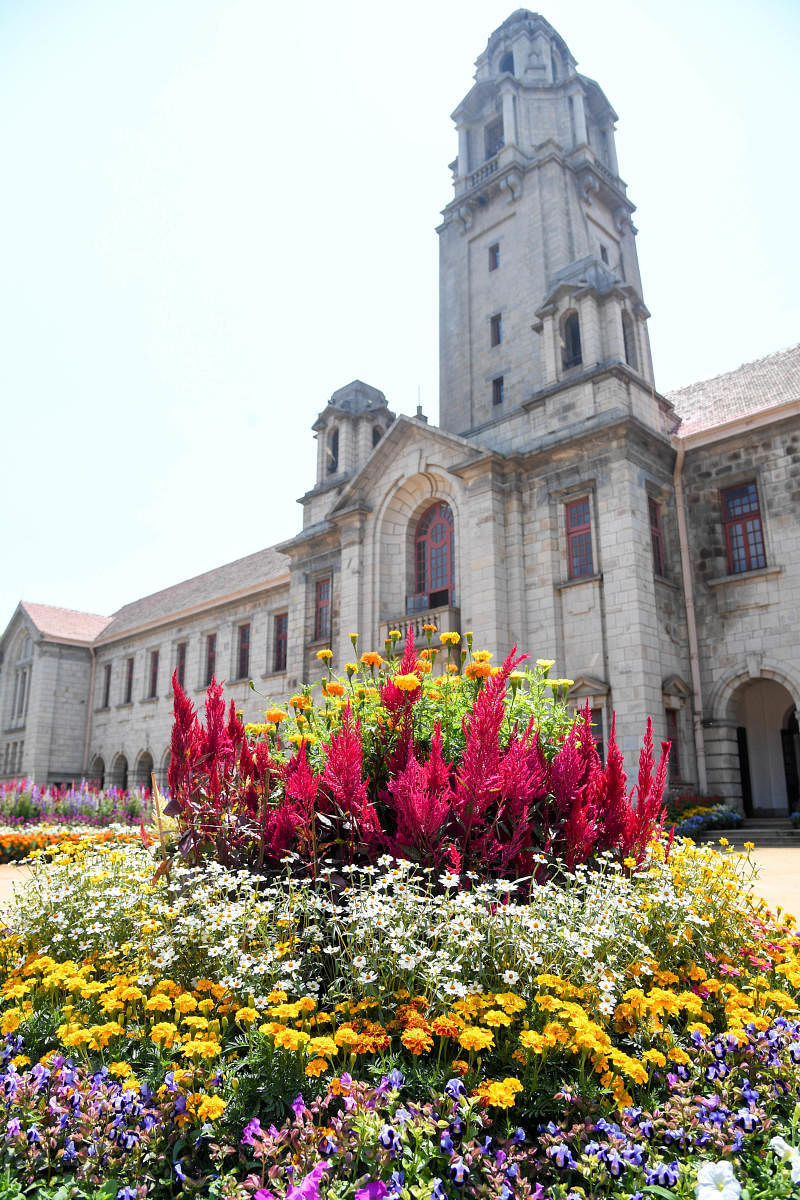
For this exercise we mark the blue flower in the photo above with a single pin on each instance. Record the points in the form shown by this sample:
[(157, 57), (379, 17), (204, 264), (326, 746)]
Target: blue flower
[(664, 1174), (395, 1079), (454, 1088), (126, 1193), (437, 1190), (327, 1145), (397, 1180), (562, 1156), (390, 1139), (13, 1129), (32, 1134), (458, 1172), (177, 1167), (747, 1119), (446, 1142), (518, 1135)]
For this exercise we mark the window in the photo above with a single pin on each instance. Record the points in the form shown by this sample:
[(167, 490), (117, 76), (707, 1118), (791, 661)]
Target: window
[(152, 690), (377, 434), (180, 663), (604, 254), (571, 354), (629, 341), (493, 137), (579, 539), (106, 685), (597, 732), (744, 538), (656, 540), (127, 695), (507, 64), (333, 452), (434, 559), (243, 653), (211, 658), (671, 715), (498, 390), (322, 619), (494, 256), (281, 637), (496, 329)]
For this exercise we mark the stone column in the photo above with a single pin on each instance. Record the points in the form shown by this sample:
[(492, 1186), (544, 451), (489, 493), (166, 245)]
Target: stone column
[(463, 151), (579, 116), (509, 115)]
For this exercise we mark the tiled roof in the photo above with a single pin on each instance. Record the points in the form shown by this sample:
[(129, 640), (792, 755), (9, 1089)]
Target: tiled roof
[(65, 622), (753, 388), (242, 575)]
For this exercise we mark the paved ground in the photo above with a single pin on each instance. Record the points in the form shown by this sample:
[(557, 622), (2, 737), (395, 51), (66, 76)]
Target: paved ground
[(779, 881)]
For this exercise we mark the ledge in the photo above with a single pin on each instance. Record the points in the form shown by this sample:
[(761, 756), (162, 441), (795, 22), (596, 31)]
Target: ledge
[(568, 583), (126, 704), (743, 576), (670, 583), (149, 700)]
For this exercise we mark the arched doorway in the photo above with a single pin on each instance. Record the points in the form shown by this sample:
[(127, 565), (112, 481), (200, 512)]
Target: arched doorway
[(144, 769), (119, 772), (98, 771), (766, 728)]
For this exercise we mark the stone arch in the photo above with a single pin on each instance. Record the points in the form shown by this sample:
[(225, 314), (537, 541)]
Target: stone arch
[(143, 770), (754, 726), (163, 768), (97, 771), (394, 534), (119, 772), (571, 347)]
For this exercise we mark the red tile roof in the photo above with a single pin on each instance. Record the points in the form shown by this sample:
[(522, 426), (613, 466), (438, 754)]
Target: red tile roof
[(66, 623), (752, 388)]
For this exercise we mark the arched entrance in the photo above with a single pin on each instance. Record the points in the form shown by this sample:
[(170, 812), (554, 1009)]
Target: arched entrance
[(144, 769), (119, 772), (766, 730), (98, 771)]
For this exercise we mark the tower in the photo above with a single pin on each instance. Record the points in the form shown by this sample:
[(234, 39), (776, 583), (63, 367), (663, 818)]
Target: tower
[(539, 276)]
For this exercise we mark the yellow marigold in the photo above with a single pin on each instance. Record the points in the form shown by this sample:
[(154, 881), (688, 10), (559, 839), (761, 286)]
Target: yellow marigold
[(159, 1003), (11, 1020), (185, 1003), (211, 1108), (545, 663), (121, 1069), (275, 715), (21, 1060), (655, 1057), (164, 1034), (200, 1048), (510, 1001), (291, 1039), (322, 1046), (532, 1040), (677, 1055), (496, 1017), (416, 1040), (496, 1093), (315, 1067), (324, 655), (345, 1036), (474, 1038), (483, 656), (395, 634), (332, 688), (450, 639), (477, 670), (247, 1015), (407, 683)]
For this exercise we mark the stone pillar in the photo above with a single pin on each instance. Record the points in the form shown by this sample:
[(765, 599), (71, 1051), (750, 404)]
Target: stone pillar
[(463, 151), (614, 349), (351, 616), (590, 329), (613, 165), (509, 116), (579, 116)]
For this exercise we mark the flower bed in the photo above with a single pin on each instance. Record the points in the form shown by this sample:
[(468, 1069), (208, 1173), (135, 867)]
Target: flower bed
[(349, 1023), (16, 843)]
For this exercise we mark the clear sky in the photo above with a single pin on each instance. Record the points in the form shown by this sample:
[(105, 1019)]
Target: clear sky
[(217, 212)]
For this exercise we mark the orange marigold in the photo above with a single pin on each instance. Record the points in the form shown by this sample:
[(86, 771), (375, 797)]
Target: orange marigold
[(416, 1040), (477, 670), (333, 688)]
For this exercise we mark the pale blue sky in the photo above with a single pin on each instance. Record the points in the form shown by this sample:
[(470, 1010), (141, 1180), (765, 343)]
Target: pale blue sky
[(216, 212)]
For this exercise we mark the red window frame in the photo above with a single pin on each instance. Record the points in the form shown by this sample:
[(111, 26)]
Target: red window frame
[(153, 690), (744, 535), (579, 538), (211, 657), (128, 682), (322, 617), (243, 652), (673, 736), (656, 540), (434, 559), (281, 640), (180, 663)]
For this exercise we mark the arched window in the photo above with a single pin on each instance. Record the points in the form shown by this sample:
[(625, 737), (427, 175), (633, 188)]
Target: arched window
[(571, 355), (629, 341), (434, 558), (98, 771), (332, 465), (507, 64)]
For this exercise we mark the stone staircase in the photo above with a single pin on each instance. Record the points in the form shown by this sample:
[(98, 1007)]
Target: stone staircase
[(764, 832)]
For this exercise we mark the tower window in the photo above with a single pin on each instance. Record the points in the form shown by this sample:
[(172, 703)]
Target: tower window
[(127, 695), (377, 434), (243, 652), (106, 685), (322, 618), (741, 513), (281, 638), (506, 66), (498, 390), (629, 341), (211, 658), (493, 137), (604, 254), (571, 354), (180, 663), (152, 690), (656, 540), (494, 256), (332, 465), (579, 539), (496, 329)]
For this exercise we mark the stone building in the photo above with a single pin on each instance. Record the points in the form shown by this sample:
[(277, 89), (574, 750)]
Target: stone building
[(648, 543)]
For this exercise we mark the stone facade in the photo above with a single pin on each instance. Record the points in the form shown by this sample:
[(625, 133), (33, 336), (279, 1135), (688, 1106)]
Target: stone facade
[(564, 505)]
